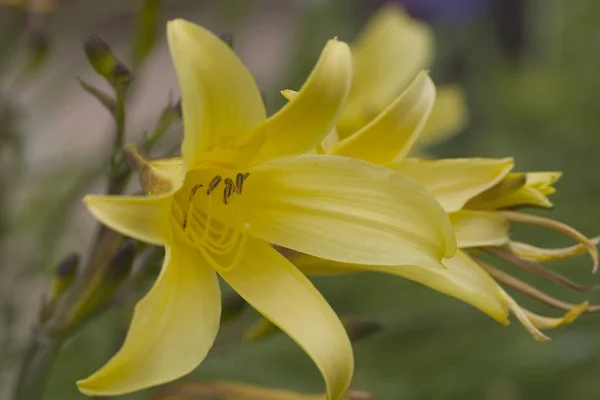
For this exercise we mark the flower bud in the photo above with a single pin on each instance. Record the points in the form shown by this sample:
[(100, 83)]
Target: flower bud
[(107, 64), (66, 272), (122, 263)]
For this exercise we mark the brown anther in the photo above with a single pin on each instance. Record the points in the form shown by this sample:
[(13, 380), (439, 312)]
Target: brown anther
[(213, 184), (228, 189)]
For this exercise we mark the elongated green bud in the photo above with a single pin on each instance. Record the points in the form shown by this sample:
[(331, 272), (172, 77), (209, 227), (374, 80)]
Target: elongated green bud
[(107, 64), (66, 272), (64, 276), (122, 263)]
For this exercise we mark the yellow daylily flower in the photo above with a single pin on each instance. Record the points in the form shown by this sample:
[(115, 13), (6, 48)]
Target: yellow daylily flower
[(243, 185), (473, 191), (388, 53)]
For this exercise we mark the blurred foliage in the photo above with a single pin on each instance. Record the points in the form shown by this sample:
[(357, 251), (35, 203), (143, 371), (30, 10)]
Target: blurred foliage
[(530, 71)]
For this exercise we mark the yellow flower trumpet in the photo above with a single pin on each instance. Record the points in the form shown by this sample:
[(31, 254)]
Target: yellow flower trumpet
[(244, 184)]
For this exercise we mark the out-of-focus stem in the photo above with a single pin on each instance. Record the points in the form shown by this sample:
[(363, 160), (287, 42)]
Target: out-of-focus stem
[(36, 367), (119, 173), (90, 293)]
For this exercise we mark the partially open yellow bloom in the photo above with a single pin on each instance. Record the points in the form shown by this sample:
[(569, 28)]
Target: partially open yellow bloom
[(474, 192), (243, 184), (388, 53)]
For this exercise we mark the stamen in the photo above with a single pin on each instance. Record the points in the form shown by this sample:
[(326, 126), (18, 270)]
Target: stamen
[(238, 256), (534, 322), (524, 318), (193, 192), (559, 227), (213, 184), (239, 181), (530, 291), (227, 190), (549, 323), (532, 253), (220, 245), (216, 230), (538, 269)]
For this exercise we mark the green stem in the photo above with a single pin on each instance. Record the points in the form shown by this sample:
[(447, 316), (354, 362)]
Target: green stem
[(84, 301), (120, 120), (168, 116), (119, 174), (36, 367)]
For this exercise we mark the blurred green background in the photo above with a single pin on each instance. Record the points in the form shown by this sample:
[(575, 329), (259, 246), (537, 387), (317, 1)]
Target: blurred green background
[(530, 72)]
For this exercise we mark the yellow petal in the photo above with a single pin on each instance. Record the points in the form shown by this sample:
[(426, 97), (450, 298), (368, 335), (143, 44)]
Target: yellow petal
[(330, 140), (173, 328), (543, 181), (145, 218), (453, 182), (387, 55), (479, 228), (220, 101), (487, 199), (448, 117), (462, 278), (532, 192), (301, 124), (272, 285), (524, 196), (345, 210), (392, 133)]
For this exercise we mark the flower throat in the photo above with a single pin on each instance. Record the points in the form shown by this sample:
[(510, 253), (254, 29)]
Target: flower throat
[(220, 244)]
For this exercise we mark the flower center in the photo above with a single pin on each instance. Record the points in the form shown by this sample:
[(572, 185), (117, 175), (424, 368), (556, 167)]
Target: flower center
[(197, 209)]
